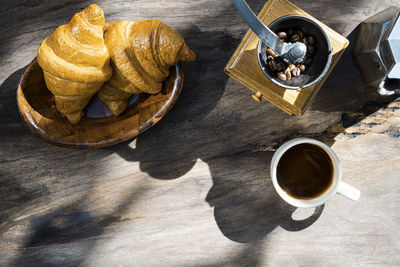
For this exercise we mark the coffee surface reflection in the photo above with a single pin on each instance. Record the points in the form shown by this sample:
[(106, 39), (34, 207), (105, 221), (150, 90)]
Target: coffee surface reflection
[(305, 171)]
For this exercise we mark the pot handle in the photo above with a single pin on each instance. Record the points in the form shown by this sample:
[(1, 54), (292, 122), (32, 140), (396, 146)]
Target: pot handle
[(384, 92)]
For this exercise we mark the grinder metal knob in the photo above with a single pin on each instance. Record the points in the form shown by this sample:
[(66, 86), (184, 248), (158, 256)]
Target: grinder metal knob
[(257, 97), (297, 53)]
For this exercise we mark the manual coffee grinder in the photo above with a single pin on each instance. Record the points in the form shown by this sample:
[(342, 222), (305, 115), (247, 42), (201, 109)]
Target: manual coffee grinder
[(249, 63)]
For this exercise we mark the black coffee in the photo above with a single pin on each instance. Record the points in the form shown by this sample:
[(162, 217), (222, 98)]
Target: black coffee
[(305, 171)]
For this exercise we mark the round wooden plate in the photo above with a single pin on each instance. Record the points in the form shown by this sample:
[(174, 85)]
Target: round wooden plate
[(37, 108)]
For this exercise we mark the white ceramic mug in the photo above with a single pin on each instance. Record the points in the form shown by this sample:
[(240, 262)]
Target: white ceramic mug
[(337, 186)]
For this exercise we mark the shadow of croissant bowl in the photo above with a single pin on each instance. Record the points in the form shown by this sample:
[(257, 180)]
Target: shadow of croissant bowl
[(38, 111)]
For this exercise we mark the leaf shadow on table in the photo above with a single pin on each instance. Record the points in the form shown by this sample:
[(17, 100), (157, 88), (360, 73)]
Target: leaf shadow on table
[(72, 224)]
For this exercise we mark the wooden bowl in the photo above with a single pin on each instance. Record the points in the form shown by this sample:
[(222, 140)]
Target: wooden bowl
[(37, 108)]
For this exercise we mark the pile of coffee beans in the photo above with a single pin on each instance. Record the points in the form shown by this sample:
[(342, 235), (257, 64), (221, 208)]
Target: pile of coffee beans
[(287, 71)]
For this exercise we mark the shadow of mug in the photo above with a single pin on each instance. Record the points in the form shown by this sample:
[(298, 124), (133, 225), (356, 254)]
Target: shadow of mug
[(248, 210)]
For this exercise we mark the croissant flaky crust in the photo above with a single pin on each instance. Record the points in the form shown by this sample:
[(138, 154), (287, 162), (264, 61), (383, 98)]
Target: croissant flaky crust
[(142, 53), (76, 62)]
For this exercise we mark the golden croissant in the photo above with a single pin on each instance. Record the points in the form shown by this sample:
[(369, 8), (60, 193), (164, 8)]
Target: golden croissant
[(141, 54), (76, 62)]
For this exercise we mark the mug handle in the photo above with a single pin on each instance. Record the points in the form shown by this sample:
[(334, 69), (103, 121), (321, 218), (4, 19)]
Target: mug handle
[(349, 191)]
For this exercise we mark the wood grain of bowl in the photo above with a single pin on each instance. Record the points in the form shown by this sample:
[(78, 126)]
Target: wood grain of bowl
[(37, 108)]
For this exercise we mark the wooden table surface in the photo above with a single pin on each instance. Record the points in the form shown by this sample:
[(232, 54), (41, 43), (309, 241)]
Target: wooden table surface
[(194, 190)]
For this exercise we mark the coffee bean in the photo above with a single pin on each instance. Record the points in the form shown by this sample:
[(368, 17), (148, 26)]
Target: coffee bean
[(272, 65), (311, 40), (300, 34), (282, 76), (280, 66), (295, 38), (311, 49), (282, 35), (271, 52), (288, 74), (296, 72)]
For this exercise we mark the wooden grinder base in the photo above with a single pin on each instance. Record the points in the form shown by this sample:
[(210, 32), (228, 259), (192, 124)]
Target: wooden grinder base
[(243, 65)]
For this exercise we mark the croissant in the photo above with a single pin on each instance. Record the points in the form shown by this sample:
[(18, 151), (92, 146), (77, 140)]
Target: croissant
[(76, 62), (141, 54)]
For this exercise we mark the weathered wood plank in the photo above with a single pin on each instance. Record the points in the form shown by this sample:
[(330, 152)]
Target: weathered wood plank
[(194, 190)]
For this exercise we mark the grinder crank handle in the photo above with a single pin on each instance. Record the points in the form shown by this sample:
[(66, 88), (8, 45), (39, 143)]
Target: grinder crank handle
[(293, 53), (262, 31)]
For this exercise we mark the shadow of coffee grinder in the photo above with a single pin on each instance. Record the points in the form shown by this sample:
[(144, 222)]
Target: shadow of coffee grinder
[(251, 62), (377, 51)]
